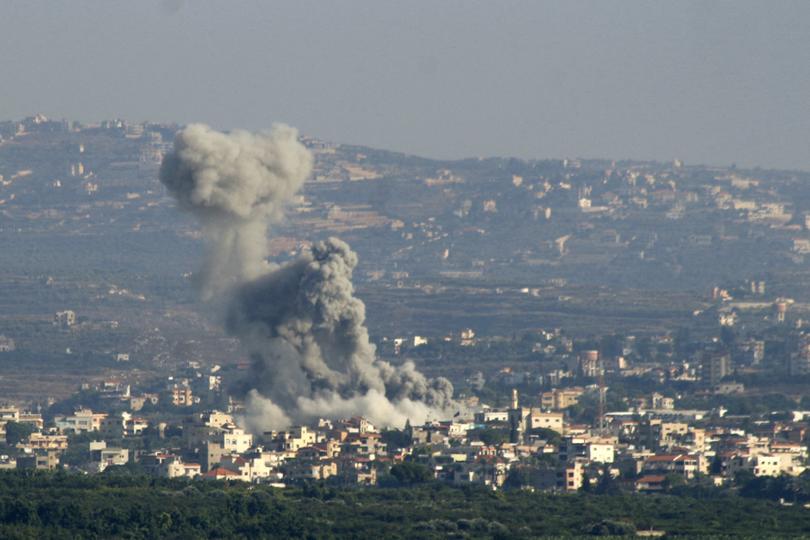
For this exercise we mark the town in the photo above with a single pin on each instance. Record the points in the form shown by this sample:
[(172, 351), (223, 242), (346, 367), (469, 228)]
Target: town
[(435, 270), (567, 438), (637, 326)]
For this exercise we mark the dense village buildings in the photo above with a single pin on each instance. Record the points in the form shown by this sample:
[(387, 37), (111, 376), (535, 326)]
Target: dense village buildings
[(640, 324), (537, 447), (561, 225)]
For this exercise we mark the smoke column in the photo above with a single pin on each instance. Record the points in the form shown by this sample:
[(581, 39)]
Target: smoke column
[(236, 184), (300, 322)]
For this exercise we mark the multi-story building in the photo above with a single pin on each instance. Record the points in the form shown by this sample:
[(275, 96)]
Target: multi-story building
[(587, 449), (681, 464), (561, 398), (135, 426), (313, 470), (546, 420), (365, 444), (800, 360), (9, 414), (715, 367), (181, 395), (601, 451), (205, 426), (492, 415), (64, 319), (570, 477), (234, 439), (40, 441), (659, 401), (81, 421), (13, 414), (297, 438), (47, 460), (589, 365), (174, 467), (108, 456)]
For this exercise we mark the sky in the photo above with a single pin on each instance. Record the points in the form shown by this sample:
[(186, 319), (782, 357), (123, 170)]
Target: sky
[(707, 82)]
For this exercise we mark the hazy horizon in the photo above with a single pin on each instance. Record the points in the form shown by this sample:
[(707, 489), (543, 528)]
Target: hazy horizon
[(705, 82)]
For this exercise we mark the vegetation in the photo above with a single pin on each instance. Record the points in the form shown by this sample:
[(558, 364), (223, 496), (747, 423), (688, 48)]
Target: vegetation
[(120, 505), (408, 474), (741, 404), (491, 436), (17, 431)]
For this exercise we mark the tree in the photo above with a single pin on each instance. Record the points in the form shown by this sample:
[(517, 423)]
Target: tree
[(607, 484), (518, 477), (408, 473), (728, 336), (611, 345), (493, 436), (548, 435), (673, 480), (586, 483), (395, 438), (681, 341), (17, 431), (612, 528), (716, 466)]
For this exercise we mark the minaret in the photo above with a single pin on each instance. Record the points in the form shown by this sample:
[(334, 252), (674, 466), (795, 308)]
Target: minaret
[(515, 419)]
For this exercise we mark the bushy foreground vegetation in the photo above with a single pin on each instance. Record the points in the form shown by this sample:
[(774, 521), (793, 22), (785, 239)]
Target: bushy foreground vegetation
[(59, 505)]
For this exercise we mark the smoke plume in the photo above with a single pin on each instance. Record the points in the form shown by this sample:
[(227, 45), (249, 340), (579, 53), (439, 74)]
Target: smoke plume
[(300, 322), (236, 184)]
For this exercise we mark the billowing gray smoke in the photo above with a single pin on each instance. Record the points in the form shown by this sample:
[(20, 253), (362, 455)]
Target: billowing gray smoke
[(300, 322), (236, 184)]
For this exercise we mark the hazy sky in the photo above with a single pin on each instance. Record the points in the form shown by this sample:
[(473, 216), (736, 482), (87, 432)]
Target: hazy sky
[(707, 82)]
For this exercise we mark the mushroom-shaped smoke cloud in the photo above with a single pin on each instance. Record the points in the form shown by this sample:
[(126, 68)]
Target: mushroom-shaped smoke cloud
[(236, 184), (301, 323)]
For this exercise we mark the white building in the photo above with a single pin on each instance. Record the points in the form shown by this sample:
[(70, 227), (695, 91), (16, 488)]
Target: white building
[(105, 457), (177, 468), (81, 421), (65, 319), (546, 420), (601, 452), (234, 439)]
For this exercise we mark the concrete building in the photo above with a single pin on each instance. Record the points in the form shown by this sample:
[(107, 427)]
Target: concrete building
[(106, 457), (681, 464), (560, 398), (297, 438), (589, 365), (554, 421), (81, 421), (40, 441), (6, 344), (571, 476), (800, 360), (175, 467), (587, 449), (659, 401), (715, 367), (234, 439), (64, 319), (601, 451), (46, 460), (181, 395), (492, 415)]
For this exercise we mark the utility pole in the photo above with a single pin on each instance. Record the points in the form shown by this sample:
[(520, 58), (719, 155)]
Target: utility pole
[(602, 395)]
